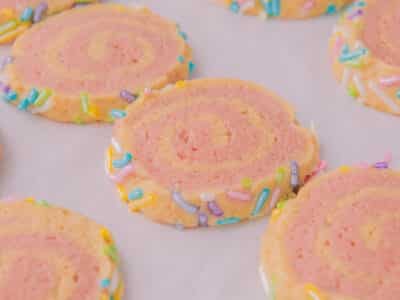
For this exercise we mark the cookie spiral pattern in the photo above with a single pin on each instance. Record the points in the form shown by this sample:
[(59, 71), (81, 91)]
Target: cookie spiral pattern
[(365, 53), (96, 59), (339, 239), (51, 253), (208, 152), (286, 9)]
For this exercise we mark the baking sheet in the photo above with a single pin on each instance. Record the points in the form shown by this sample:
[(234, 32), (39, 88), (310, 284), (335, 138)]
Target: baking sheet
[(64, 163)]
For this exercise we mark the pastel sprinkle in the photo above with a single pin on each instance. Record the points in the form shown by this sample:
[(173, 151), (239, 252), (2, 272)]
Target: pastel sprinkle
[(183, 35), (181, 59), (348, 56), (239, 195), (352, 91), (33, 95), (206, 197), (228, 221), (274, 198), (180, 84), (261, 201), (331, 9), (24, 104), (389, 81), (125, 160), (235, 7), (11, 96), (344, 169), (128, 96), (214, 209), (123, 174), (136, 194), (118, 114), (40, 11), (381, 165), (280, 174), (203, 219), (111, 252), (26, 15), (294, 175), (85, 102), (191, 67), (181, 201), (313, 292), (43, 97), (105, 283), (8, 26), (246, 183), (106, 235), (122, 194)]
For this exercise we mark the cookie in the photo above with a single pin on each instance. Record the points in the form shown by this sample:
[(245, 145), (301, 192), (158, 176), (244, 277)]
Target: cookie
[(88, 63), (16, 16), (366, 55), (209, 152), (286, 9), (51, 253), (338, 240)]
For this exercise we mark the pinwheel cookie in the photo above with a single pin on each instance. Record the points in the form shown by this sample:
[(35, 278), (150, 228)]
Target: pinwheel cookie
[(286, 9), (338, 240), (86, 64), (51, 253), (366, 53), (209, 152), (18, 15)]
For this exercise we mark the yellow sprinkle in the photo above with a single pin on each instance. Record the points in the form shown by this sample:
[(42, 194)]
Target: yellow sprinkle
[(109, 155), (106, 235), (93, 111), (313, 292), (247, 183), (122, 193), (6, 14), (180, 84), (344, 169), (149, 200), (30, 200), (118, 292), (280, 174), (275, 214)]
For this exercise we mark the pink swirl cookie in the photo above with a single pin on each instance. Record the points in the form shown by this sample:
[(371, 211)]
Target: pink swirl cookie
[(209, 152), (18, 15), (51, 253), (366, 53), (338, 240), (286, 9), (88, 63)]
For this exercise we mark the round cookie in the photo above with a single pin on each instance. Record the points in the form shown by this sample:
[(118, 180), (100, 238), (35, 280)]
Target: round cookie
[(286, 9), (51, 253), (89, 63), (338, 240), (18, 15), (209, 152), (366, 55)]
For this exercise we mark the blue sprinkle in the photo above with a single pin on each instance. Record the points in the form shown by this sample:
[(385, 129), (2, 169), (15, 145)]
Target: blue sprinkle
[(181, 59), (105, 283), (347, 56), (235, 7), (120, 163), (181, 201), (26, 14), (183, 35), (24, 104), (228, 221), (191, 66), (118, 114), (135, 194), (33, 95), (11, 96), (331, 9), (261, 201), (276, 7)]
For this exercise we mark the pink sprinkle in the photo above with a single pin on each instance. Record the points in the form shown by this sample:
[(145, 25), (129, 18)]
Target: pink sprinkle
[(121, 175), (239, 196), (309, 4), (274, 198), (390, 81)]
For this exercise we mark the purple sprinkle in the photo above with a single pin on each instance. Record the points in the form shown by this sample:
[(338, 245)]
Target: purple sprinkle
[(203, 219), (40, 10), (357, 13), (381, 165), (6, 89), (128, 96), (215, 209)]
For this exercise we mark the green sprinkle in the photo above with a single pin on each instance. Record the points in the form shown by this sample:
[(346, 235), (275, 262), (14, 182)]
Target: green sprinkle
[(85, 102), (280, 174), (247, 183), (111, 252), (43, 203), (43, 97), (352, 91), (281, 204)]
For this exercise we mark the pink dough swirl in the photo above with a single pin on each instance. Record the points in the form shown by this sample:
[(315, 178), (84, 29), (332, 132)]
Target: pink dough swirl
[(345, 237), (99, 49)]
